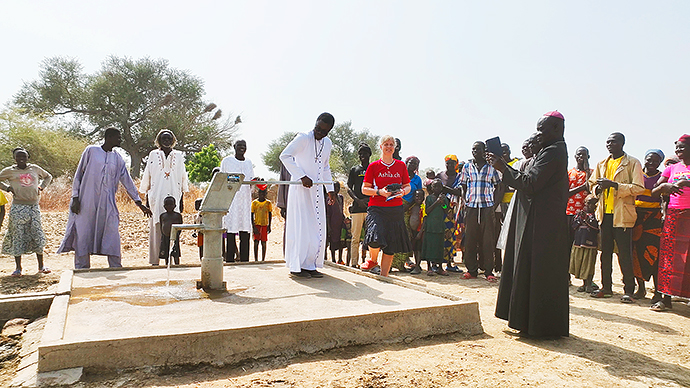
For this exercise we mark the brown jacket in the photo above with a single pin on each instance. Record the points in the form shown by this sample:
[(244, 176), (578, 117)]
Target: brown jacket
[(630, 184)]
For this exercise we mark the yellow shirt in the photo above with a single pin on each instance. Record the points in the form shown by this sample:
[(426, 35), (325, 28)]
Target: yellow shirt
[(3, 199), (261, 211), (610, 194)]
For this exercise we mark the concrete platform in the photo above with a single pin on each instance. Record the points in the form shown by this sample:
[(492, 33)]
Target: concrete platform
[(130, 318)]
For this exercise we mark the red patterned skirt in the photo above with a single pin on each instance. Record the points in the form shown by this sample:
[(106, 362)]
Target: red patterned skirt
[(674, 254)]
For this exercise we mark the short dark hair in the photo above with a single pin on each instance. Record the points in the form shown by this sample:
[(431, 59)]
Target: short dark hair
[(110, 131), (327, 118), (170, 197), (584, 148), (619, 135), (364, 147), (16, 149)]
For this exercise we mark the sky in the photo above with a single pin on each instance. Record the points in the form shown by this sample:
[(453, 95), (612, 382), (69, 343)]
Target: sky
[(439, 75)]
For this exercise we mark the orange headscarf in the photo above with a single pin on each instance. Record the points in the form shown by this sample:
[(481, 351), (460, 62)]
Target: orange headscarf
[(453, 157)]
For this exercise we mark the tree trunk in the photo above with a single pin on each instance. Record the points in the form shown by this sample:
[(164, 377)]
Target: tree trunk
[(135, 171)]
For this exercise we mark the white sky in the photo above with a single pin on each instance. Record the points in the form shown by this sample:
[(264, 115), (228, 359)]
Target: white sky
[(437, 74)]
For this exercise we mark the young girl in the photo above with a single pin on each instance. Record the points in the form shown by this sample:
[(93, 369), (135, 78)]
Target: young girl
[(335, 217), (583, 255), (415, 227), (436, 206), (24, 230)]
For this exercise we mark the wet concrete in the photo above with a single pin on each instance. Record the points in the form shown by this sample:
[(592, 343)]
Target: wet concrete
[(131, 318)]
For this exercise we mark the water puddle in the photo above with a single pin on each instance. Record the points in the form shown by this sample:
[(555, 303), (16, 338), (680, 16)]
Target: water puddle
[(149, 294)]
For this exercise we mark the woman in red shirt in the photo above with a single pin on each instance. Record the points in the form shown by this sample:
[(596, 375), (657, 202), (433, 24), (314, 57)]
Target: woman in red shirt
[(385, 182)]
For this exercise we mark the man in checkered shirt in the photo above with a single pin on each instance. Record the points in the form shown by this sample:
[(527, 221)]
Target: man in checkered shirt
[(479, 181)]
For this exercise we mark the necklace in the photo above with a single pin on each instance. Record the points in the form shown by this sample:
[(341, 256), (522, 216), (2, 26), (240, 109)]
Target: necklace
[(317, 153)]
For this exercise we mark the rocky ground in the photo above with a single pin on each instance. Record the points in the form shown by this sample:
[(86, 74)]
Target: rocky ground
[(611, 344)]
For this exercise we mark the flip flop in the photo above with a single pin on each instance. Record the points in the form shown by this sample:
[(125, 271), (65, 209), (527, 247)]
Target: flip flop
[(16, 274), (45, 270), (659, 306)]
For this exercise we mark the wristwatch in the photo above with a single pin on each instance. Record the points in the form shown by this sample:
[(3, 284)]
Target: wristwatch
[(377, 192)]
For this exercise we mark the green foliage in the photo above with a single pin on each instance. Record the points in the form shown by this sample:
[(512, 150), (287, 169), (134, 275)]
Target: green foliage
[(346, 142), (139, 97), (200, 166), (271, 157), (343, 154), (56, 150)]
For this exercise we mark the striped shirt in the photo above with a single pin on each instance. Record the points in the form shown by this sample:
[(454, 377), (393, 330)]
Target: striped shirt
[(480, 184)]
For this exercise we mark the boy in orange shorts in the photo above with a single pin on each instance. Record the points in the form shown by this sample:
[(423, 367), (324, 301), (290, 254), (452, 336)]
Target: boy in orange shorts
[(261, 221)]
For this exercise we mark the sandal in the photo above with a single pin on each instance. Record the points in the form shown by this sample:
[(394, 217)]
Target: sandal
[(453, 268), (416, 271), (659, 306), (368, 265), (492, 279), (591, 288), (430, 273), (582, 288), (601, 294), (16, 273), (441, 271), (627, 299), (45, 270), (468, 275)]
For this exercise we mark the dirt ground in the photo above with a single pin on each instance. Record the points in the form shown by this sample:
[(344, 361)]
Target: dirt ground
[(610, 345)]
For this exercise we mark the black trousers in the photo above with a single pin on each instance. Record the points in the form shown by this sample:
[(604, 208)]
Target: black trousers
[(479, 237), (623, 238), (231, 251)]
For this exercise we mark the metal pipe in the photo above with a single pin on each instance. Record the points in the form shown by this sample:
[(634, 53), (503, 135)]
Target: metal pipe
[(284, 182)]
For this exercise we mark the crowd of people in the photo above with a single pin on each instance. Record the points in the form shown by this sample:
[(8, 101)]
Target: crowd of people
[(529, 222)]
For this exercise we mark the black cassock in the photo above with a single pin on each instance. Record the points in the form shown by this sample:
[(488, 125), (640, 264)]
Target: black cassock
[(533, 294)]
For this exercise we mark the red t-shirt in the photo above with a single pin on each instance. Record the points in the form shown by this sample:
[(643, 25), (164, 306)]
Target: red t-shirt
[(380, 175)]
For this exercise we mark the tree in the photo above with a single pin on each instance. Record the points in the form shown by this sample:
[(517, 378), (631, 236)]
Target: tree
[(346, 142), (271, 157), (200, 166), (139, 97), (54, 149), (343, 154)]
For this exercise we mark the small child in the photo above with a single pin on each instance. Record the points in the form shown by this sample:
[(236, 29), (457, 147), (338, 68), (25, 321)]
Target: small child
[(261, 221), (346, 237), (415, 227), (430, 176), (583, 256), (335, 217), (167, 220), (436, 206), (199, 235)]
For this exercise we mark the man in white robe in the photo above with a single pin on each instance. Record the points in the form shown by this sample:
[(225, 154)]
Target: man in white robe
[(164, 175), (306, 158), (239, 217)]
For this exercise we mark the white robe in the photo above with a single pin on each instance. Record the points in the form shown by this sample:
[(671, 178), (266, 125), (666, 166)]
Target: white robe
[(163, 176), (305, 229), (239, 217)]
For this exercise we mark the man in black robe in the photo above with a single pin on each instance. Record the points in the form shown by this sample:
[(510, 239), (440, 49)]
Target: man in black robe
[(533, 294)]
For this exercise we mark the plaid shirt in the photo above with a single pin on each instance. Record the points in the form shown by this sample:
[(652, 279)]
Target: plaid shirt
[(480, 184)]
